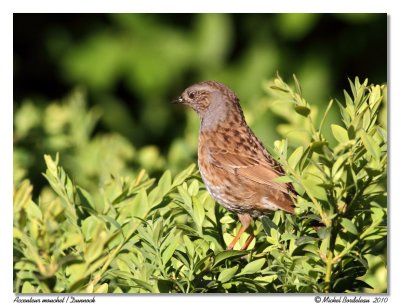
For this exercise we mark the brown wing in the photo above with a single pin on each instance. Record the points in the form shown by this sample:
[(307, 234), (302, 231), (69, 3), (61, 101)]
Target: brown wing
[(258, 171)]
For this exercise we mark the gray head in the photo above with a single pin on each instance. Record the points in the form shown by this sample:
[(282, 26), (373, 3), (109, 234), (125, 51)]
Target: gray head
[(211, 100)]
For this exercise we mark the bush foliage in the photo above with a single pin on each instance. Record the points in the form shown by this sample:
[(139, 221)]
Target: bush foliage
[(105, 225)]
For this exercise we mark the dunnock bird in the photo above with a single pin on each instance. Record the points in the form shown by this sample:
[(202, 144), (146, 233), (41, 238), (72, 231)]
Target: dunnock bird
[(236, 169)]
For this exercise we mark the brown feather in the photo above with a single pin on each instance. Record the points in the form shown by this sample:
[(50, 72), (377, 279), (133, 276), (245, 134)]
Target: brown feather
[(236, 169), (249, 167)]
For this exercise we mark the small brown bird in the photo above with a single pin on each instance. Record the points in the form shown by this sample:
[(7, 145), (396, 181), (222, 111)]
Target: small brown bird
[(236, 169)]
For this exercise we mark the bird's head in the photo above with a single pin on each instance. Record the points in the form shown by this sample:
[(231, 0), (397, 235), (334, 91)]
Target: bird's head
[(208, 96)]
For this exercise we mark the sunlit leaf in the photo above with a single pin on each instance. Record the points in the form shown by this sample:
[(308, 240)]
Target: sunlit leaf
[(227, 274), (295, 157), (339, 133), (253, 267), (349, 226), (371, 146)]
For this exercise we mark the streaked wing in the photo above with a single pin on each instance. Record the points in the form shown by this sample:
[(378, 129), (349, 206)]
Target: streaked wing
[(259, 171)]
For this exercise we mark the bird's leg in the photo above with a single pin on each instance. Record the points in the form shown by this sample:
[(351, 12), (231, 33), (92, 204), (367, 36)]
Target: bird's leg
[(232, 244), (245, 219), (248, 241)]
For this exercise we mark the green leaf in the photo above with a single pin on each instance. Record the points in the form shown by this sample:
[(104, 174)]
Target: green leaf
[(337, 168), (22, 196), (227, 219), (324, 232), (28, 288), (139, 205), (305, 240), (305, 158), (198, 213), (302, 110), (163, 187), (102, 288), (375, 237), (375, 96), (312, 187), (203, 264), (274, 238), (366, 119), (287, 236), (51, 165), (317, 146), (349, 226), (86, 198), (187, 199), (283, 179), (95, 247), (117, 290), (183, 258), (279, 88), (371, 146), (169, 251), (189, 246), (143, 284), (89, 227), (182, 176), (75, 273), (325, 114), (33, 211), (253, 267), (123, 267), (295, 157), (297, 84), (268, 224), (194, 188), (339, 133), (346, 114), (227, 255), (227, 274), (266, 279), (165, 182), (156, 230), (377, 215)]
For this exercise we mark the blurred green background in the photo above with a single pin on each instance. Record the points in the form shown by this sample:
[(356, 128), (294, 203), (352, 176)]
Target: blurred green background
[(124, 69)]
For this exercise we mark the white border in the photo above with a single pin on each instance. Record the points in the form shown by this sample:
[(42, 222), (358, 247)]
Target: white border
[(214, 6), (138, 6)]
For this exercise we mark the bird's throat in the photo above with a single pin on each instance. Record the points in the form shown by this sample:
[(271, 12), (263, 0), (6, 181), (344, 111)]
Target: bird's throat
[(221, 116)]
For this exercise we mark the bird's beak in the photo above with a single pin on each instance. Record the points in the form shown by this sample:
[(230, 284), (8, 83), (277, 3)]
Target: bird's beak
[(177, 100)]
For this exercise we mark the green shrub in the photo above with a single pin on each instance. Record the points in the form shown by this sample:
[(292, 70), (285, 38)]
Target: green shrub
[(122, 231)]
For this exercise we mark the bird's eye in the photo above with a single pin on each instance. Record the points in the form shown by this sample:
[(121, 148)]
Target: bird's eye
[(191, 95)]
